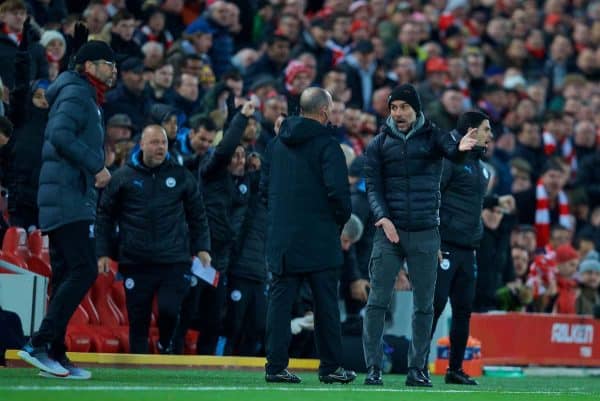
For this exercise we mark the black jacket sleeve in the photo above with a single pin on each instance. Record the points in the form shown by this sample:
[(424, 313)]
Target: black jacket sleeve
[(107, 217), (265, 169), (447, 143), (196, 216), (374, 178), (221, 157), (350, 271), (19, 95), (447, 170), (335, 177), (585, 177)]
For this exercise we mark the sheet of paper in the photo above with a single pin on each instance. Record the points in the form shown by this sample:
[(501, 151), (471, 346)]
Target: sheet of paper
[(206, 273)]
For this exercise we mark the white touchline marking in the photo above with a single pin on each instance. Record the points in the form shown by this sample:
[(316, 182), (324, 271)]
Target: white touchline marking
[(274, 388)]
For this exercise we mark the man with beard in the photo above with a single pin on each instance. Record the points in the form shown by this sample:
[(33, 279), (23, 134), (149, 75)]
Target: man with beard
[(403, 169), (463, 187), (72, 171)]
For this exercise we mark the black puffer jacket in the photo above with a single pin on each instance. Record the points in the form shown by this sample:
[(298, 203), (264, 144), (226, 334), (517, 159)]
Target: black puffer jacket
[(219, 188), (463, 188), (403, 174), (72, 154), (159, 212), (248, 260)]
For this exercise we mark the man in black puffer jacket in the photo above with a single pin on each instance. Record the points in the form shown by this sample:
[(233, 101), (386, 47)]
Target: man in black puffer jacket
[(162, 225), (247, 279), (226, 192), (403, 170), (463, 188)]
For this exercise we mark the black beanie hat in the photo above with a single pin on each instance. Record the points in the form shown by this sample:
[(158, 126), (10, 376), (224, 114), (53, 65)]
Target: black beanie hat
[(408, 94), (470, 119), (94, 50)]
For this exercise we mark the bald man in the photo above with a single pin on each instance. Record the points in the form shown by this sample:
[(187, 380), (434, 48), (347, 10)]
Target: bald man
[(162, 225), (305, 182)]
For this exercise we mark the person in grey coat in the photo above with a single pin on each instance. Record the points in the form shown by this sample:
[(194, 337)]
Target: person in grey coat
[(72, 171)]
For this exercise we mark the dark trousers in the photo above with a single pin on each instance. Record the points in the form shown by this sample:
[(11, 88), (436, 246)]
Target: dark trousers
[(74, 270), (203, 310), (419, 249), (282, 295), (456, 277), (141, 282), (246, 316), (24, 216)]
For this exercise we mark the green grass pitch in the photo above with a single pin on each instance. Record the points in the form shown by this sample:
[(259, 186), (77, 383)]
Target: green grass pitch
[(109, 384)]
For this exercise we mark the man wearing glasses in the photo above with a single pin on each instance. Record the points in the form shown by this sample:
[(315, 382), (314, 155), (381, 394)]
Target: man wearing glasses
[(72, 172)]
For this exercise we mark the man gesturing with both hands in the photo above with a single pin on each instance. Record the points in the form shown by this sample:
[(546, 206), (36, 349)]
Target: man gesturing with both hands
[(403, 170)]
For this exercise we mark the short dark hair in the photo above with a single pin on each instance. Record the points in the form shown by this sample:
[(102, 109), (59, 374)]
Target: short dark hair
[(6, 126), (553, 164), (277, 38), (188, 57), (121, 15), (231, 74), (204, 122), (558, 227)]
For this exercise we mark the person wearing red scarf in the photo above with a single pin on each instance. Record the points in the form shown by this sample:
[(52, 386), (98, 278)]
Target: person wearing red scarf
[(73, 168), (564, 292)]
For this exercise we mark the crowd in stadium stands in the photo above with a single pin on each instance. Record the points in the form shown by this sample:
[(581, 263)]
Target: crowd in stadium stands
[(532, 66)]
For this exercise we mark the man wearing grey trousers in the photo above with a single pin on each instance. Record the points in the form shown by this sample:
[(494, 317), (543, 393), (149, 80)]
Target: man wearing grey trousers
[(403, 170)]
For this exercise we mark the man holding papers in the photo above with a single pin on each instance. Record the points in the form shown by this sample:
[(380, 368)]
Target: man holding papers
[(152, 221)]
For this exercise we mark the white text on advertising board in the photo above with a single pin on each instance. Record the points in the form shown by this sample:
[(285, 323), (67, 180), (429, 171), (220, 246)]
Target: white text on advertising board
[(566, 333)]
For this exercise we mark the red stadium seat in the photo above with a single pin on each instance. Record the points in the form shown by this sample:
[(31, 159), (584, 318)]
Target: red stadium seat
[(79, 337), (38, 245), (14, 247), (190, 346), (107, 341)]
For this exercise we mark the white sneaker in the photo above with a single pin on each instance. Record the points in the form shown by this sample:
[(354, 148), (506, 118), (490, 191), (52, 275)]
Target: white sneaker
[(38, 357), (75, 372)]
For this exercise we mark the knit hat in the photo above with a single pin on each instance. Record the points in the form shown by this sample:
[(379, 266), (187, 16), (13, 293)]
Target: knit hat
[(51, 35), (592, 255), (294, 68), (94, 50), (436, 64), (40, 84), (565, 253), (408, 94), (469, 119), (159, 113), (589, 265)]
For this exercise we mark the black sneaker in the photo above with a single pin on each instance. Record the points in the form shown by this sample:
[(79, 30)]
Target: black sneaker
[(374, 377), (285, 376), (164, 350), (340, 375), (416, 378), (459, 377)]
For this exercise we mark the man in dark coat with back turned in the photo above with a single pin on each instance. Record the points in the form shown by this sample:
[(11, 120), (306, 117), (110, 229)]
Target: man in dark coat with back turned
[(305, 181)]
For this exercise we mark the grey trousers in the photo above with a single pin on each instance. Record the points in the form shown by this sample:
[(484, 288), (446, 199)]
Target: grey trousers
[(419, 249)]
